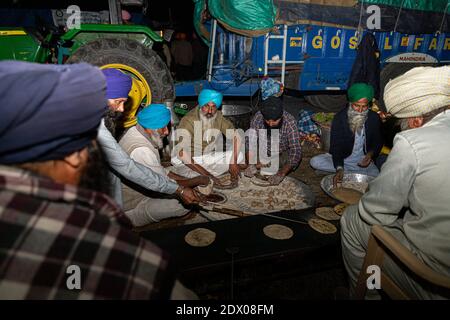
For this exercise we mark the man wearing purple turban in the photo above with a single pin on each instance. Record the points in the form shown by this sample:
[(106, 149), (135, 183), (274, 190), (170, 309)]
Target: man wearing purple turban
[(118, 85), (53, 224)]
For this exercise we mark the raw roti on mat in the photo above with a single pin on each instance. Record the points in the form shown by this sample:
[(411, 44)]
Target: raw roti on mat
[(340, 208), (278, 232), (200, 237), (322, 226), (327, 213), (347, 195)]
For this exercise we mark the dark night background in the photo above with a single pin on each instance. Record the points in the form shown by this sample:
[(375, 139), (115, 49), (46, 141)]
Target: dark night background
[(160, 13)]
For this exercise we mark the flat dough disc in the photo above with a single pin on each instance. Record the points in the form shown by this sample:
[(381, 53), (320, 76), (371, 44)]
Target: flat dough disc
[(347, 195), (206, 189), (340, 208), (200, 237), (322, 226), (327, 213), (278, 232)]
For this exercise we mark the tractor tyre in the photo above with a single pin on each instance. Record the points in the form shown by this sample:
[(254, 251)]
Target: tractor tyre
[(328, 103), (129, 52)]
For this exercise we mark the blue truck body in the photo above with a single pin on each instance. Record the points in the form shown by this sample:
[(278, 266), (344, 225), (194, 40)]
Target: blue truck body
[(322, 57)]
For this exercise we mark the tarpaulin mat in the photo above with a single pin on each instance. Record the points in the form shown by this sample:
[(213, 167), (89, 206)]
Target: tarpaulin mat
[(246, 235)]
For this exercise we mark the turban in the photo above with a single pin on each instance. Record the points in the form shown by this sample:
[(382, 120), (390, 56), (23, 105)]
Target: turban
[(272, 108), (271, 87), (154, 116), (418, 91), (118, 84), (48, 111), (360, 90), (208, 95)]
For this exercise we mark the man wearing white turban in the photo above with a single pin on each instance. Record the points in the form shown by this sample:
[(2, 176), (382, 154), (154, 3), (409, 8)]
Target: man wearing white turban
[(410, 197)]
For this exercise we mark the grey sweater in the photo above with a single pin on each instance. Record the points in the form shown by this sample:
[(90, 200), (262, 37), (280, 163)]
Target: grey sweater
[(416, 175)]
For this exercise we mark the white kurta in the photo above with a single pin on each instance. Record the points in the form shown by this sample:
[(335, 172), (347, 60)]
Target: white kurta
[(324, 162), (216, 163)]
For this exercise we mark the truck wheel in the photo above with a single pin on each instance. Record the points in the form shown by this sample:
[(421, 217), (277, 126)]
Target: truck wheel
[(393, 70), (149, 72), (327, 102)]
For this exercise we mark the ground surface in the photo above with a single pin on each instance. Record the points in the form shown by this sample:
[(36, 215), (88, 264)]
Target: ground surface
[(272, 279)]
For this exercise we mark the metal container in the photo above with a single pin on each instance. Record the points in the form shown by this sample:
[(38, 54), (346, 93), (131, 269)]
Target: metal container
[(356, 181), (240, 115)]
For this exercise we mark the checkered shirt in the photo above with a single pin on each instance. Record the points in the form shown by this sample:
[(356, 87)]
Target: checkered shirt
[(305, 124), (289, 137), (45, 227)]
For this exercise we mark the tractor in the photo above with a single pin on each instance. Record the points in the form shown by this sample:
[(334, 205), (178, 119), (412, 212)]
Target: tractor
[(126, 47)]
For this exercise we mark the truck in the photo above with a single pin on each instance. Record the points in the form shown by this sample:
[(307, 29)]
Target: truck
[(311, 45), (308, 45)]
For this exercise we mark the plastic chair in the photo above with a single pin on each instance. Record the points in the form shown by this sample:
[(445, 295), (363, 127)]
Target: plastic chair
[(382, 243)]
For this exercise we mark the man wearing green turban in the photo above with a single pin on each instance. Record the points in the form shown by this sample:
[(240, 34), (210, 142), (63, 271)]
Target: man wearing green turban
[(355, 139), (360, 91)]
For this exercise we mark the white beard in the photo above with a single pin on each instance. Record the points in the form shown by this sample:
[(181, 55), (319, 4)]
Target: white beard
[(157, 140), (404, 125), (207, 124), (356, 119)]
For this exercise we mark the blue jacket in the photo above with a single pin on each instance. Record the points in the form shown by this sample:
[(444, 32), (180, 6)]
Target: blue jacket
[(342, 138)]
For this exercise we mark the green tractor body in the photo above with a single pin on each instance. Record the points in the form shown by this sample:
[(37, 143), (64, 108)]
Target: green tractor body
[(21, 44)]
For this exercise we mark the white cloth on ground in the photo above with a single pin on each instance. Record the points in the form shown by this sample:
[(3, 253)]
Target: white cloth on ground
[(216, 163)]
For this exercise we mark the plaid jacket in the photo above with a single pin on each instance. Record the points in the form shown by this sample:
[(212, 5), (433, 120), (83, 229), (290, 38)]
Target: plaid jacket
[(45, 227), (289, 137), (305, 124)]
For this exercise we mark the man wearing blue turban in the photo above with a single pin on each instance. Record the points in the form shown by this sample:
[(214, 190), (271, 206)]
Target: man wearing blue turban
[(49, 214), (201, 131), (118, 85), (142, 143)]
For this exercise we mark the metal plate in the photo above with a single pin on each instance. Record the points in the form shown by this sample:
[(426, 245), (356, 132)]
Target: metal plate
[(229, 110), (356, 181), (225, 199), (236, 202)]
